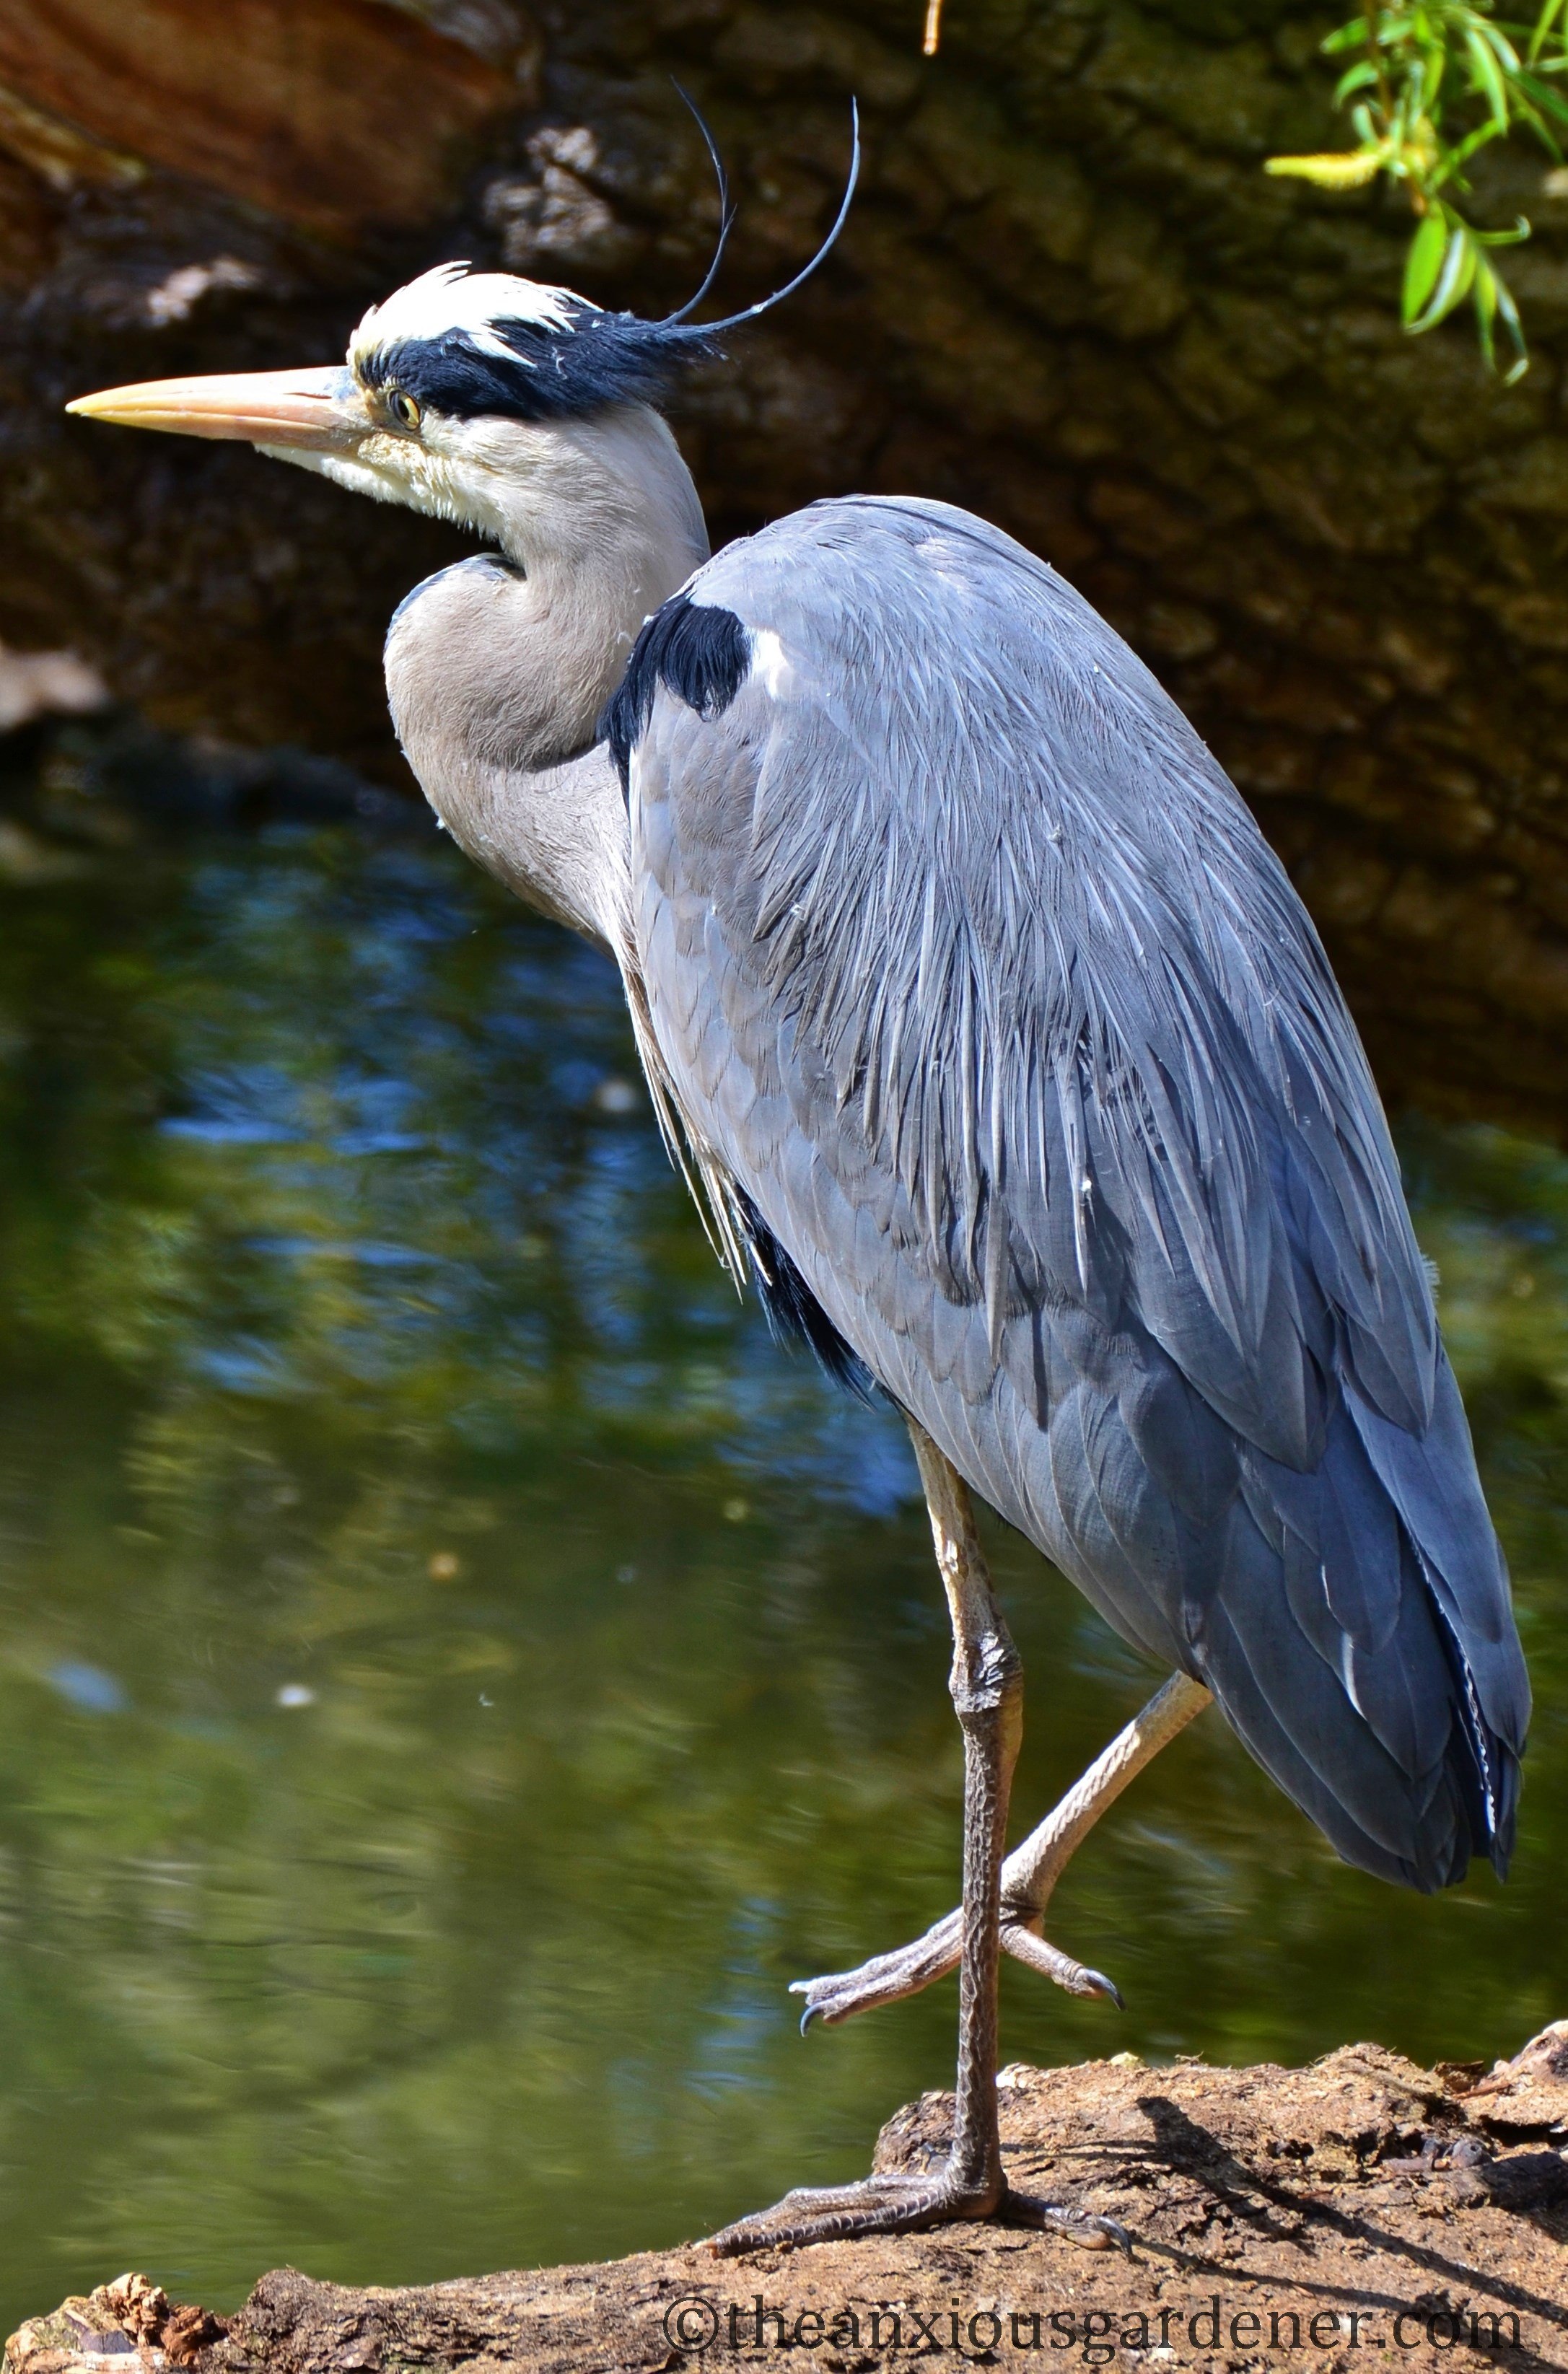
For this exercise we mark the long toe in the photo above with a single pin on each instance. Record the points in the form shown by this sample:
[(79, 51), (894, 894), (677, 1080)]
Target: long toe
[(1052, 1963), (886, 1979), (881, 2205), (1080, 2225)]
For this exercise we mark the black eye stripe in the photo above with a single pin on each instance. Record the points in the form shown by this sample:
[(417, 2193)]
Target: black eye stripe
[(546, 374)]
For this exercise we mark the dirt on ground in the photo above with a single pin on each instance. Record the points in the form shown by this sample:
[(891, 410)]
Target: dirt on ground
[(1358, 2213)]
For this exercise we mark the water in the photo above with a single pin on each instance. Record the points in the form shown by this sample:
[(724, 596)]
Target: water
[(455, 1670)]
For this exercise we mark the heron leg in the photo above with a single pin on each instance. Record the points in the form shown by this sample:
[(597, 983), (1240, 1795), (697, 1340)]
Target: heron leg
[(987, 1690), (1029, 1874)]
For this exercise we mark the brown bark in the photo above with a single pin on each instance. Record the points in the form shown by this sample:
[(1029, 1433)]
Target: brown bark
[(250, 99), (1280, 2201), (1068, 298)]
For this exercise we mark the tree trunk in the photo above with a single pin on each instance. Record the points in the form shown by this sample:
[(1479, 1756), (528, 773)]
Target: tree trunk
[(1068, 297)]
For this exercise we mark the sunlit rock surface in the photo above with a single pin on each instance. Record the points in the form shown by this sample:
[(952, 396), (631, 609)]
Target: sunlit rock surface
[(1068, 297), (1268, 2213)]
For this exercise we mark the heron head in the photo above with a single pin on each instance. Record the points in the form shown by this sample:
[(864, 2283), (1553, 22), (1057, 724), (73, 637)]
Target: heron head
[(461, 391), (458, 396)]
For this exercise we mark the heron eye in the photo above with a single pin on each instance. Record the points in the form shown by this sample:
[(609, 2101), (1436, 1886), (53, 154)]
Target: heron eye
[(403, 408)]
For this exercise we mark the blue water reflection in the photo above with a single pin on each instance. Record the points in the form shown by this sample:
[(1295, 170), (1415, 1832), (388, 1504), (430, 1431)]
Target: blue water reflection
[(455, 1670)]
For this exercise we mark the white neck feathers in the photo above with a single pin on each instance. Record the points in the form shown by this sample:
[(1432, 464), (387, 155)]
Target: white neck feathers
[(497, 674)]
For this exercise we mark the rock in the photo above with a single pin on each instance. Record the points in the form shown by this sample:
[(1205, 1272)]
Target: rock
[(128, 2318), (1529, 2094), (46, 684), (136, 2306), (1278, 2216)]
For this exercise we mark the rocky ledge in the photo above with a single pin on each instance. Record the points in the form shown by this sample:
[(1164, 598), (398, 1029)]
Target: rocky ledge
[(1357, 2213)]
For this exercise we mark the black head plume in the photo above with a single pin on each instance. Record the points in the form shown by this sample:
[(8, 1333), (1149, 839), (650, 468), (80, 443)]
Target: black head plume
[(766, 304), (474, 343), (727, 212)]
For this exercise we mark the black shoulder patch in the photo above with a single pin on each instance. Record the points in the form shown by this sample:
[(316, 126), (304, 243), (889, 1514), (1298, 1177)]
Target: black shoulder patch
[(700, 653), (793, 1314)]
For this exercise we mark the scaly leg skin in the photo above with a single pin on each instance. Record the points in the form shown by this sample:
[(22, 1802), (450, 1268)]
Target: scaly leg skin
[(1028, 1876), (987, 1691)]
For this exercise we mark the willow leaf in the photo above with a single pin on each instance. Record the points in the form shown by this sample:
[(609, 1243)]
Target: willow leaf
[(1488, 76), (1454, 281), (1421, 265)]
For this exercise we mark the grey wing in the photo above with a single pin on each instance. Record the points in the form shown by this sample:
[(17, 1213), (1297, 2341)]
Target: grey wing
[(969, 970)]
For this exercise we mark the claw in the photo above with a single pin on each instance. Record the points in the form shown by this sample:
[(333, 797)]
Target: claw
[(885, 1979), (1028, 1946), (1080, 2226)]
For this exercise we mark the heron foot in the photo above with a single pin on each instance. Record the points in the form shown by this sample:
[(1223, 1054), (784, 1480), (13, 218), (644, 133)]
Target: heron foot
[(879, 2204), (907, 2204), (1028, 1876), (886, 1978)]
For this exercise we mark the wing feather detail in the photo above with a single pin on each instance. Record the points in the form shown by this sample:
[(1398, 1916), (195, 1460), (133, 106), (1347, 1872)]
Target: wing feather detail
[(968, 966)]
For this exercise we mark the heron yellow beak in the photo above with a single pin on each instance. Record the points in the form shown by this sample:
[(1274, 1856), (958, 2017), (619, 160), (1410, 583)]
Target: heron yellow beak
[(314, 411)]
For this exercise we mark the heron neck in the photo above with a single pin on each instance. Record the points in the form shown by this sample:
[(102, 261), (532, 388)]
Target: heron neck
[(498, 668), (604, 526)]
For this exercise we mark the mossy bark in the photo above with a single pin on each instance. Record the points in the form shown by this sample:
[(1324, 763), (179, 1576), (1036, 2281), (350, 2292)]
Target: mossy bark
[(1068, 298)]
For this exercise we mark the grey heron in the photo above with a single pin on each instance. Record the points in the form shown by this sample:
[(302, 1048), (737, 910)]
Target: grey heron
[(1001, 1056)]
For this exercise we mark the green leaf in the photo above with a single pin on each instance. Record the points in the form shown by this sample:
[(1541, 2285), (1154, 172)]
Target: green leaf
[(1538, 94), (1422, 263), (1488, 78), (1502, 48), (1454, 281), (1508, 313), (1453, 157), (1426, 84), (1527, 114), (1543, 93), (1484, 293), (1544, 23), (1356, 78)]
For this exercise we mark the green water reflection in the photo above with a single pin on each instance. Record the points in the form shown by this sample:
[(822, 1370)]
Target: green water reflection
[(454, 1671)]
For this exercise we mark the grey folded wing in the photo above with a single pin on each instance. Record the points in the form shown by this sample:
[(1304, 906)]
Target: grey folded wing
[(970, 971)]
